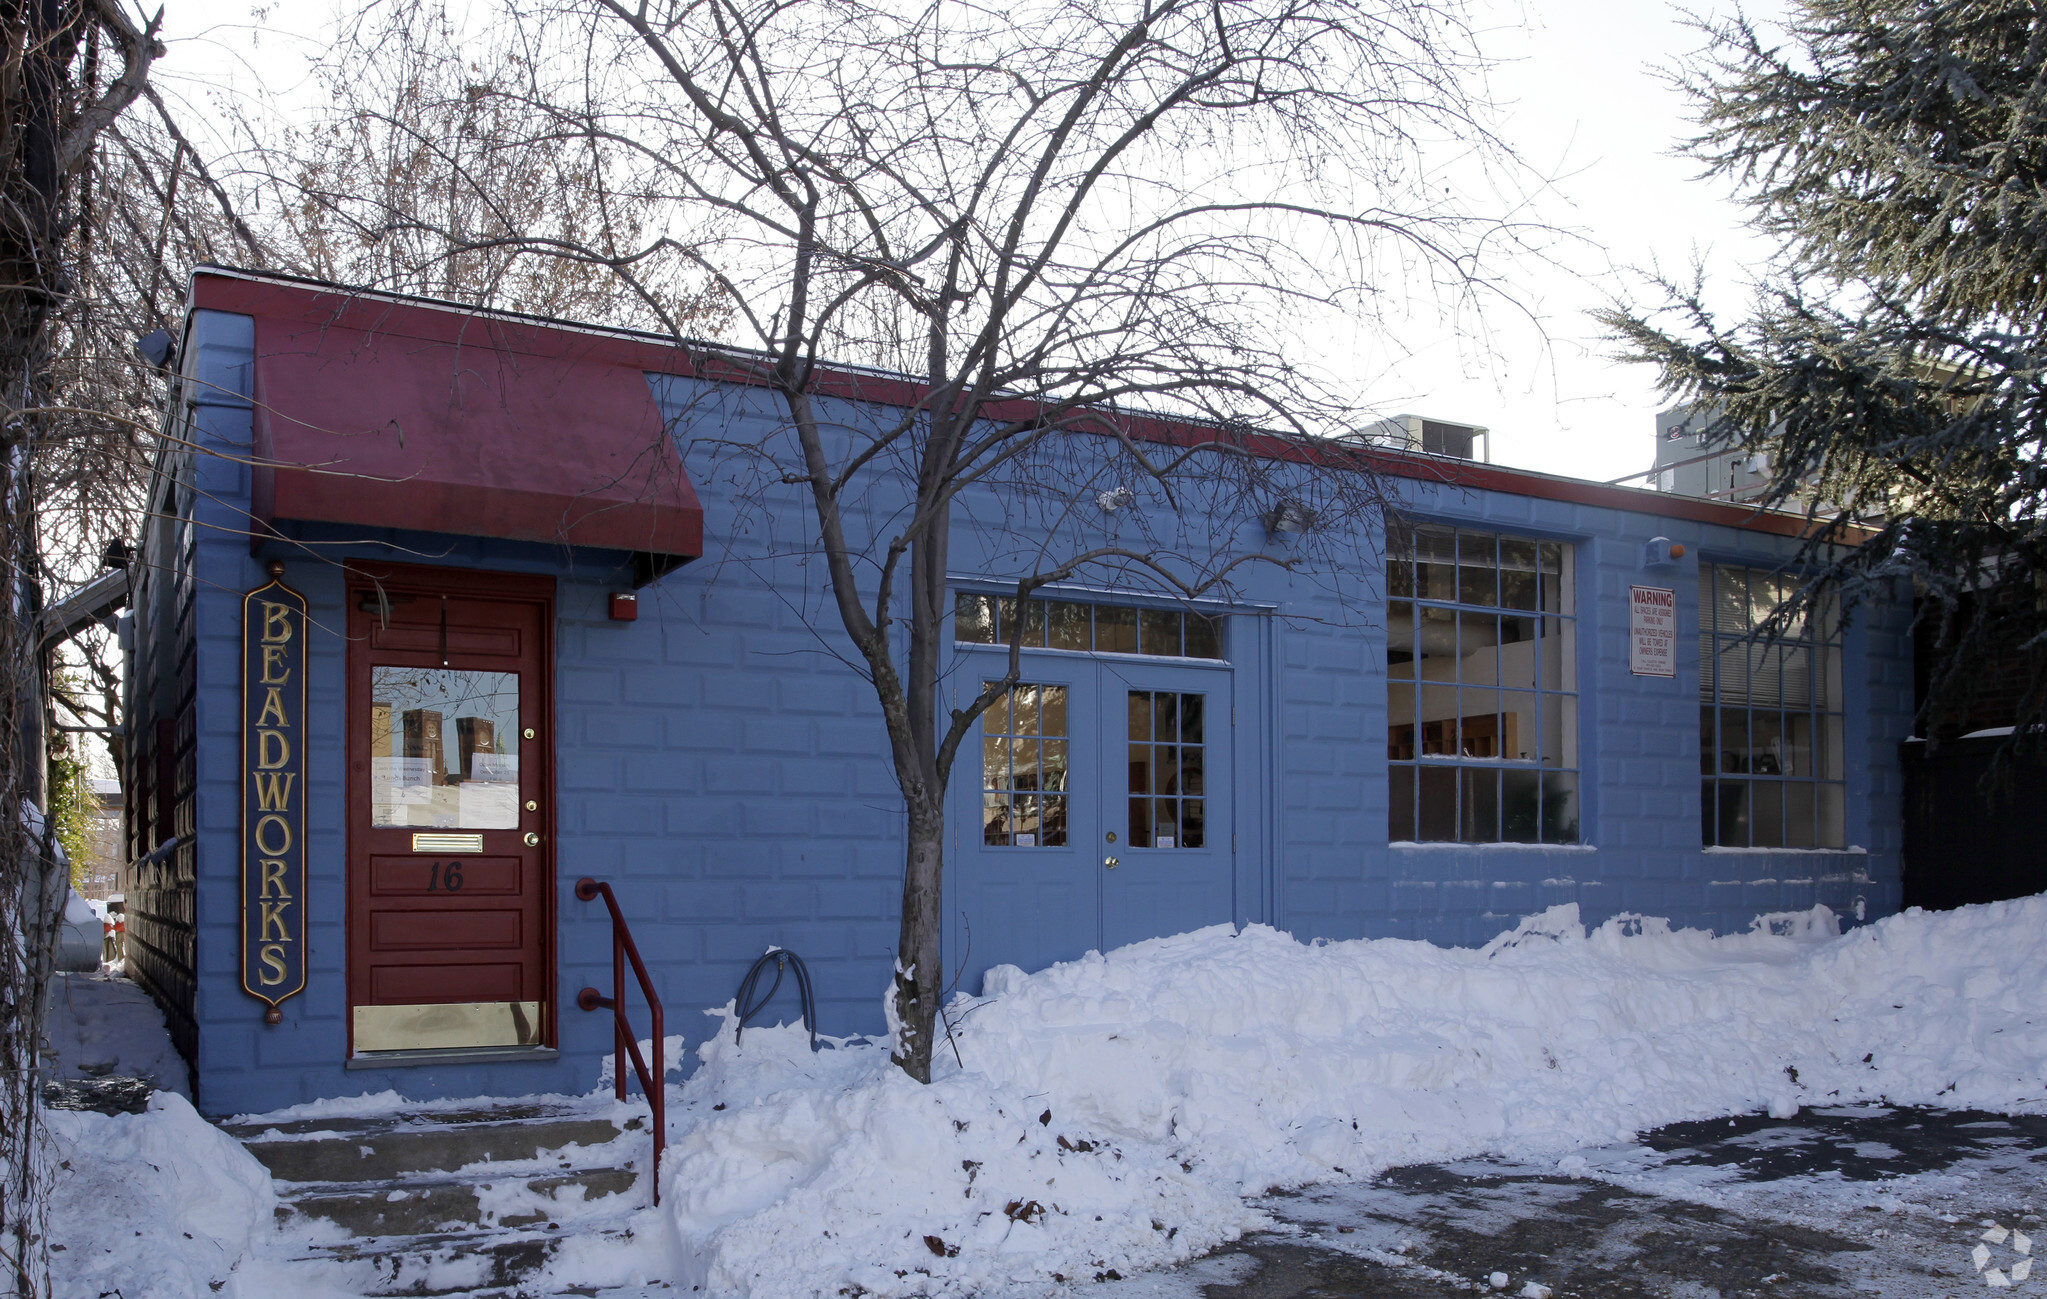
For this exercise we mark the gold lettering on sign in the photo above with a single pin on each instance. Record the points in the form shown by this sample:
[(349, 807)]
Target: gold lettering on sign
[(273, 876), (272, 821), (273, 790), (276, 670), (272, 750), (273, 918), (273, 707), (276, 623)]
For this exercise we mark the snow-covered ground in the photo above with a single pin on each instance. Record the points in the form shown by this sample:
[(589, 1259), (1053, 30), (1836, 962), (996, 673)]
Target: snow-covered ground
[(1123, 1112), (101, 1025)]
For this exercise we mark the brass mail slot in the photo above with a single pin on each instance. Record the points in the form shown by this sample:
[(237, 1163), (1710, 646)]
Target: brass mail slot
[(444, 1027), (447, 843)]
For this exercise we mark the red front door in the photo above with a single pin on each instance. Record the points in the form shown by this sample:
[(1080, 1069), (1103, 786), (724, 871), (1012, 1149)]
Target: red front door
[(450, 844)]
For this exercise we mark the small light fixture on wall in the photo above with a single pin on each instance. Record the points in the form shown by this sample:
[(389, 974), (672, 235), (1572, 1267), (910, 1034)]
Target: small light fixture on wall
[(1661, 552), (1288, 516), (1115, 499), (158, 348), (625, 606)]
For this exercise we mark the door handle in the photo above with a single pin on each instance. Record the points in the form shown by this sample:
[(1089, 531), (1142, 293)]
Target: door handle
[(1110, 862), (532, 839)]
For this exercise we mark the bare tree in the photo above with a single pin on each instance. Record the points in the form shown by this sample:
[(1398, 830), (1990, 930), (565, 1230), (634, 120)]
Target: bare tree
[(68, 70), (1052, 215), (1055, 217), (435, 168)]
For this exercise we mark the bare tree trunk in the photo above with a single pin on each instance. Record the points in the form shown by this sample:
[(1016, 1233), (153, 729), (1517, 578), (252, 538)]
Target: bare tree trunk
[(920, 972)]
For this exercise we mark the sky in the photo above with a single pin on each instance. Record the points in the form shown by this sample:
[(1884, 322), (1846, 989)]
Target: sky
[(1584, 104), (1581, 99)]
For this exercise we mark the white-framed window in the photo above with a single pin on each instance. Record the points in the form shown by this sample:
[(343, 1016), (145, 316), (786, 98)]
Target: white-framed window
[(1770, 743), (1025, 768), (1087, 627), (1482, 691)]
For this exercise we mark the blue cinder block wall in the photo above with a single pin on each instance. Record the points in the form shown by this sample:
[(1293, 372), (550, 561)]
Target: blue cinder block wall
[(724, 765)]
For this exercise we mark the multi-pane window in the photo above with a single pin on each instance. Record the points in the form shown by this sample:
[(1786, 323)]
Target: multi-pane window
[(1024, 768), (1482, 726), (1769, 715), (1168, 759), (1100, 628)]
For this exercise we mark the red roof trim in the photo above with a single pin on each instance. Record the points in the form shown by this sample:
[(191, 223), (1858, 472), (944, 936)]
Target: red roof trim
[(374, 312)]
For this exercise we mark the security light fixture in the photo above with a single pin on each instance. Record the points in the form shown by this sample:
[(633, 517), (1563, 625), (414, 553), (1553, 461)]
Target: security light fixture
[(1659, 552), (1289, 516), (156, 347), (1112, 501)]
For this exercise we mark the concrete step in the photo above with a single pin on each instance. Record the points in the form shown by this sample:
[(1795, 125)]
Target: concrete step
[(412, 1208), (381, 1149), (473, 1265), (470, 1203)]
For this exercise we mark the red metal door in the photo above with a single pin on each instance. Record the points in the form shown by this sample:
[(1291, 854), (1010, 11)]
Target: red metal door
[(450, 844)]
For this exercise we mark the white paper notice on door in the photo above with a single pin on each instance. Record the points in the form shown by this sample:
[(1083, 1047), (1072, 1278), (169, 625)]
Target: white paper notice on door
[(1652, 631)]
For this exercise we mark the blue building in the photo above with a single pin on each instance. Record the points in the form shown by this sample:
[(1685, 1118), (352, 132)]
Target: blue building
[(439, 611)]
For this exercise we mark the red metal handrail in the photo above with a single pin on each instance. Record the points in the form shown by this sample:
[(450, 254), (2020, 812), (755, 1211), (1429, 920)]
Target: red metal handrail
[(624, 1044)]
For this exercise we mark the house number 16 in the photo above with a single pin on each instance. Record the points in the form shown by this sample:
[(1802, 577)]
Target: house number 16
[(449, 879)]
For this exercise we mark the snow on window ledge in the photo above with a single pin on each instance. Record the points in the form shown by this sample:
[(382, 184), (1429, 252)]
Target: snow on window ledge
[(1407, 845), (1829, 852)]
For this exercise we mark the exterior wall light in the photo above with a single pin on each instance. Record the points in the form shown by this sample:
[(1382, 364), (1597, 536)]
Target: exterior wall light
[(1289, 516), (157, 347), (1659, 552), (1112, 501)]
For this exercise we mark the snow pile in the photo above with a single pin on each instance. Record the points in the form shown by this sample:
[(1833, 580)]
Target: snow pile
[(158, 1203), (1111, 1112), (837, 1171)]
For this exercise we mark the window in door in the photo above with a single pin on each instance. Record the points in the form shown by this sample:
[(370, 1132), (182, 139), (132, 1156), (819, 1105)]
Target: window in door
[(1168, 760), (1482, 705), (444, 749), (1024, 768)]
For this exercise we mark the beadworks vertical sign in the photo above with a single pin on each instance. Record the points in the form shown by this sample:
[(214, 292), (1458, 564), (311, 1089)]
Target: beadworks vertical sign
[(273, 793)]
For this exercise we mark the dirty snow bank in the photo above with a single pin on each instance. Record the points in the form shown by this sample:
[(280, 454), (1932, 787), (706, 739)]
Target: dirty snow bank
[(1110, 1113), (160, 1203)]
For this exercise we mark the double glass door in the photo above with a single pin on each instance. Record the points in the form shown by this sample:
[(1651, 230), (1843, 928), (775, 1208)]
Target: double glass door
[(1093, 811)]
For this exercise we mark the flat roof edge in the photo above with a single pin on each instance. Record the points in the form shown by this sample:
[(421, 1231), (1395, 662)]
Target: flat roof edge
[(883, 387)]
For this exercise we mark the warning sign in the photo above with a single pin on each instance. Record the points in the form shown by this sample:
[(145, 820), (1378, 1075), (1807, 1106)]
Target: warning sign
[(1652, 631)]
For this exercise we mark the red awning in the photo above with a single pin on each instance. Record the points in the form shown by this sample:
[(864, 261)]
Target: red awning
[(399, 414)]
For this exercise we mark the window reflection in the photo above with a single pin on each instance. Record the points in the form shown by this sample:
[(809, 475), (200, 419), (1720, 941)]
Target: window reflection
[(1769, 715), (1024, 768), (1477, 675), (1101, 628), (444, 748), (1168, 750)]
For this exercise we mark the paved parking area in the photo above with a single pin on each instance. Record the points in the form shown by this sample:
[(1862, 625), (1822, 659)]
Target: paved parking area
[(1835, 1202)]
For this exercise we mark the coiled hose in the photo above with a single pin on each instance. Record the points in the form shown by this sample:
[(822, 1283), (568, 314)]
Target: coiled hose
[(748, 1007)]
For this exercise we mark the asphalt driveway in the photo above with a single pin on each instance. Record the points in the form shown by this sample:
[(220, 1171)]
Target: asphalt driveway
[(1851, 1201)]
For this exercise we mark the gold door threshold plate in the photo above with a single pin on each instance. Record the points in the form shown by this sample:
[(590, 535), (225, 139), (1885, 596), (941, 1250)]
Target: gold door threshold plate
[(451, 1025), (447, 843)]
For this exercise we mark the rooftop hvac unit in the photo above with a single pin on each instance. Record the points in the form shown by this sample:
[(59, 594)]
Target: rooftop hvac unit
[(1435, 437)]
